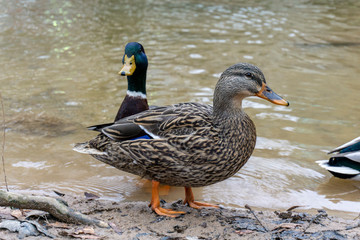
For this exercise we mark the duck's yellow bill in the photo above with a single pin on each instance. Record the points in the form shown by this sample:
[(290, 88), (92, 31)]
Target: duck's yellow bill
[(129, 66), (271, 96)]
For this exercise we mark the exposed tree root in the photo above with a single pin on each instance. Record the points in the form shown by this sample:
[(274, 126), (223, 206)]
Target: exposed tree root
[(53, 206)]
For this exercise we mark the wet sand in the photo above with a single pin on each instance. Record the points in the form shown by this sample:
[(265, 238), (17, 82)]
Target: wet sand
[(135, 220)]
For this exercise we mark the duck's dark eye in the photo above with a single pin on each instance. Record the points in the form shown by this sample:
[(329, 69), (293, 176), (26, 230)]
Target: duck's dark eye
[(249, 75), (142, 49)]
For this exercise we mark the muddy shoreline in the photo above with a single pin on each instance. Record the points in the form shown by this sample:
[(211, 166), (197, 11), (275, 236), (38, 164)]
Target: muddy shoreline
[(135, 220)]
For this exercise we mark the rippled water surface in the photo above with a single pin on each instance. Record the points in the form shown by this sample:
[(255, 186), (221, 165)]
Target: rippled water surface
[(59, 63)]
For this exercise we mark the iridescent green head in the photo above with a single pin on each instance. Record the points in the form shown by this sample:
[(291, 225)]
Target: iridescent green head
[(135, 67)]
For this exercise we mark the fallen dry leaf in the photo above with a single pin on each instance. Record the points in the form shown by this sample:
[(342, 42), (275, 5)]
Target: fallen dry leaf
[(90, 196), (5, 213), (59, 225), (287, 226), (84, 236), (17, 213), (5, 210), (115, 228), (244, 232), (39, 228), (84, 233), (36, 213), (86, 230)]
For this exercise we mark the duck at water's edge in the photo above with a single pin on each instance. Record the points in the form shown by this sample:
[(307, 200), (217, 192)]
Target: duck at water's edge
[(346, 162), (135, 68), (193, 144), (135, 65)]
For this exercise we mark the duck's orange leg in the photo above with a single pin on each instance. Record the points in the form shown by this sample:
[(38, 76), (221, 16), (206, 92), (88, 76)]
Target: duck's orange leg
[(145, 183), (155, 203), (189, 199)]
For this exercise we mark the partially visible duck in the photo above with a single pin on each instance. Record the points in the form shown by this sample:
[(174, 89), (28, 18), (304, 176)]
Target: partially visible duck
[(346, 162), (193, 144), (135, 65)]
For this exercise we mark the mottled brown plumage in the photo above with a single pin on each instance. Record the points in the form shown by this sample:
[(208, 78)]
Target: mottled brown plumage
[(193, 144), (198, 155)]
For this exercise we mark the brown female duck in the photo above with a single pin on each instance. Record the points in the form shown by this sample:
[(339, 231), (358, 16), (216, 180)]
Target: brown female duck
[(193, 144)]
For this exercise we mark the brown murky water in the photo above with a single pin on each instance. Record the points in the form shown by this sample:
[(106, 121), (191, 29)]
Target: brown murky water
[(59, 63)]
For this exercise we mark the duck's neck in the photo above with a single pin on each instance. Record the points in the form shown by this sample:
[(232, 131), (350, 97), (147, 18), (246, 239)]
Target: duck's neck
[(235, 125), (228, 119), (131, 106), (137, 83), (225, 109), (135, 100)]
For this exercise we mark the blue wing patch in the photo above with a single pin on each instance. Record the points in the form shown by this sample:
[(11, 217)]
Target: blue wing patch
[(142, 137)]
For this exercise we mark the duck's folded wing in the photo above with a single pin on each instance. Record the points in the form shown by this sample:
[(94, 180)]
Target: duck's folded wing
[(178, 119), (99, 127), (353, 145), (123, 131)]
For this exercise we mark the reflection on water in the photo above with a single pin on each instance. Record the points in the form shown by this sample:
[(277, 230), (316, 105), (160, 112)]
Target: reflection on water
[(60, 58)]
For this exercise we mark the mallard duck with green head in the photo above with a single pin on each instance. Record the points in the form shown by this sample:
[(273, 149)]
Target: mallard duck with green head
[(135, 65), (135, 68), (346, 161), (192, 144)]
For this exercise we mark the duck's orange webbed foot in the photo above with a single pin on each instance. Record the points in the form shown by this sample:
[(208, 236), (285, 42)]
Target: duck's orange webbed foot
[(189, 199), (166, 212), (155, 203)]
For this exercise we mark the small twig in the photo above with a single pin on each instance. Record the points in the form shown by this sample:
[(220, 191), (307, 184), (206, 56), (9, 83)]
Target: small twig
[(352, 227), (3, 143), (248, 208), (292, 208), (321, 214)]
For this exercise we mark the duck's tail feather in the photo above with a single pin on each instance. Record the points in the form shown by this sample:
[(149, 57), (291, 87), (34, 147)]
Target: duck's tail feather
[(353, 145), (99, 127), (340, 171), (87, 149)]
